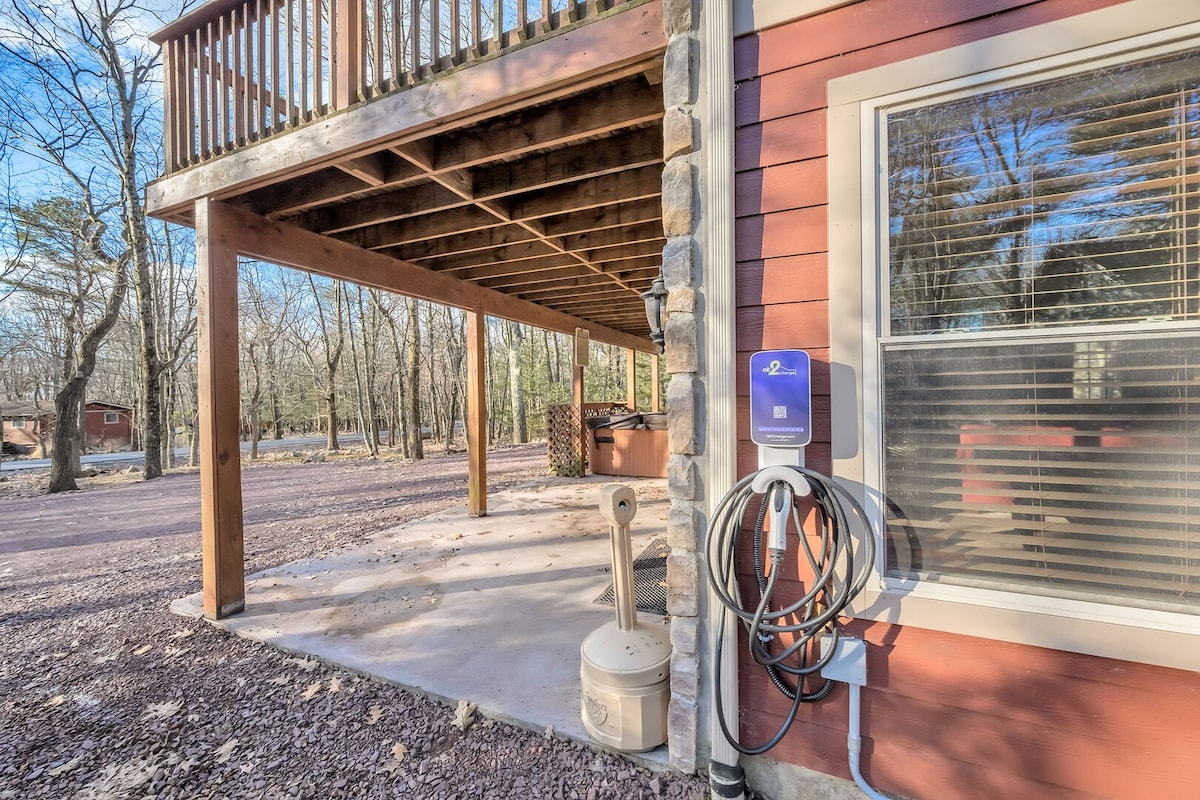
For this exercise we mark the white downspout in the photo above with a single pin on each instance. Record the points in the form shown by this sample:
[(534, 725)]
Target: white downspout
[(718, 259)]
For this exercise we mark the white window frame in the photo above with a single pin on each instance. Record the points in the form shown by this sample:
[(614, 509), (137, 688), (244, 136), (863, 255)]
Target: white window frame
[(18, 423), (115, 418), (1137, 28)]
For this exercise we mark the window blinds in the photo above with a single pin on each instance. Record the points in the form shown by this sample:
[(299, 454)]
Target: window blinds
[(1068, 201), (1072, 465), (1064, 463)]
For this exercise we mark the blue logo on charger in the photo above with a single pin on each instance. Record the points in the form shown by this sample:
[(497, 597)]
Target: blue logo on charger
[(776, 368)]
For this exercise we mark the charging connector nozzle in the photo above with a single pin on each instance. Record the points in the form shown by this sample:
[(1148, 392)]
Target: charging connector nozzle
[(780, 498)]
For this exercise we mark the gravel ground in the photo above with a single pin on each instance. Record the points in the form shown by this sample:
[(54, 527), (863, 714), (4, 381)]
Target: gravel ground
[(106, 694)]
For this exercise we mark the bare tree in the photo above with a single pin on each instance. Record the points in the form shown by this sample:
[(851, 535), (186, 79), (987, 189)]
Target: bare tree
[(416, 449), (176, 327), (75, 91), (75, 292), (369, 329), (401, 417), (332, 341), (514, 341)]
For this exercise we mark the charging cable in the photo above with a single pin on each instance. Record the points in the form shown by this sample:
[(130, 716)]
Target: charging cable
[(830, 590)]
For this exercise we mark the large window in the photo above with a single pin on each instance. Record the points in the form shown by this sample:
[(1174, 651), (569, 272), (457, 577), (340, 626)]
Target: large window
[(1038, 333)]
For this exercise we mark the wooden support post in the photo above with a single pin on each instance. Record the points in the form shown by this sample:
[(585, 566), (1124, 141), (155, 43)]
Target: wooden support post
[(219, 415), (655, 391), (631, 379), (477, 413), (577, 402)]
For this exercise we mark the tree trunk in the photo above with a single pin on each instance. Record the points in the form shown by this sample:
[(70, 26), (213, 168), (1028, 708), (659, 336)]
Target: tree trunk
[(416, 449), (254, 422), (515, 384), (331, 418), (397, 395), (273, 391), (557, 360), (392, 412), (437, 417), (333, 355), (456, 327), (369, 328), (253, 414), (64, 459), (138, 239), (495, 411), (371, 370), (168, 405), (64, 463), (194, 442), (194, 429), (81, 439), (276, 416), (369, 439)]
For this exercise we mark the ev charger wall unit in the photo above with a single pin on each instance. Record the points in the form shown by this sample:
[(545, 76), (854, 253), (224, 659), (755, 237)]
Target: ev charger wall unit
[(625, 665), (780, 405), (781, 426), (781, 399)]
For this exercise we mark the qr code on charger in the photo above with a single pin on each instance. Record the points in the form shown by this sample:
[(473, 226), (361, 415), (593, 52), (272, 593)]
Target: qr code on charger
[(780, 412)]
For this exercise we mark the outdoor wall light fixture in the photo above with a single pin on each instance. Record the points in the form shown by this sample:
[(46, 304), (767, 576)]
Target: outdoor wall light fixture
[(655, 298)]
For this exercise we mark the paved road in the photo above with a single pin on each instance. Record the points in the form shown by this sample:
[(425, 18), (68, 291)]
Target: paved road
[(181, 453)]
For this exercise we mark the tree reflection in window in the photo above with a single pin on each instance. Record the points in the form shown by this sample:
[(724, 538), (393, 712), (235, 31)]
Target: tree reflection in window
[(1065, 201)]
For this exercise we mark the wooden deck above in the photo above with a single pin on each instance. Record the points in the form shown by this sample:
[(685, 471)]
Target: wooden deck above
[(518, 175)]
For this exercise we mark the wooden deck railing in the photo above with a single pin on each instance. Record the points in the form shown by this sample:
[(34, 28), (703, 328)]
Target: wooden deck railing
[(237, 71)]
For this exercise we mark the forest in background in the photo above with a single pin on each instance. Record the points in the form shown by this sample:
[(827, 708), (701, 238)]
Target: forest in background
[(99, 302)]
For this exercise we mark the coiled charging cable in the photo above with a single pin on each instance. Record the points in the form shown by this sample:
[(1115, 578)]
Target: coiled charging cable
[(831, 589)]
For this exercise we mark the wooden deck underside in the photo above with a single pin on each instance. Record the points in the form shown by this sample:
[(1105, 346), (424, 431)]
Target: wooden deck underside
[(526, 186)]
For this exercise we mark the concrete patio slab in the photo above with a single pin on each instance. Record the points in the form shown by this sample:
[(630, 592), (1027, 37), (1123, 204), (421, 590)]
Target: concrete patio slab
[(491, 610)]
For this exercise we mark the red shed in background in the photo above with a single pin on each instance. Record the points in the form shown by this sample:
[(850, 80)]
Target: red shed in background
[(106, 426)]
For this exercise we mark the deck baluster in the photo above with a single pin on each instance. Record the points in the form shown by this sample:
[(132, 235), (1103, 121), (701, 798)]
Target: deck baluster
[(191, 76), (414, 26), (293, 97), (260, 99), (253, 68), (476, 25), (305, 103), (377, 72), (237, 77), (435, 34), (318, 65)]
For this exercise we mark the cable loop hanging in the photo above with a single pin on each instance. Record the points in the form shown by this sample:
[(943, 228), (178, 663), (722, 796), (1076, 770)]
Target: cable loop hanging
[(829, 592)]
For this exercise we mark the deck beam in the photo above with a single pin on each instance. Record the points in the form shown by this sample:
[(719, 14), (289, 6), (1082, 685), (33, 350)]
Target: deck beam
[(289, 246)]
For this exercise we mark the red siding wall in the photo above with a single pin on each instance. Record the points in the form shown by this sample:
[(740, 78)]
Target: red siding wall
[(946, 716), (27, 436), (99, 433)]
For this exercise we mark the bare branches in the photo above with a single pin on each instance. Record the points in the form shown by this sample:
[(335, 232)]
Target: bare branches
[(75, 84)]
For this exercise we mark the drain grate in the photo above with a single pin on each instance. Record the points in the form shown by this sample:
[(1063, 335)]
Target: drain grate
[(649, 580)]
